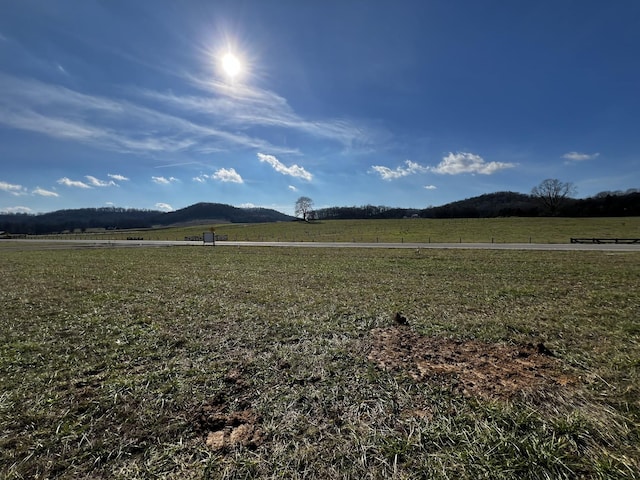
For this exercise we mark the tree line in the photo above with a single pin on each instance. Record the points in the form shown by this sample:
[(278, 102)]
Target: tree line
[(551, 197)]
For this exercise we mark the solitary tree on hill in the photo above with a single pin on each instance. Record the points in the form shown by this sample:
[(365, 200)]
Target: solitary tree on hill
[(552, 193), (304, 206)]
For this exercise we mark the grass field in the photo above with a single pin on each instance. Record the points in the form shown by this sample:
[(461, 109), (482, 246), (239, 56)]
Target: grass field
[(485, 230), (190, 362)]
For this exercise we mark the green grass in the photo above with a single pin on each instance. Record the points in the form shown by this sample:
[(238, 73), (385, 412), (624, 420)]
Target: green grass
[(107, 357), (486, 230)]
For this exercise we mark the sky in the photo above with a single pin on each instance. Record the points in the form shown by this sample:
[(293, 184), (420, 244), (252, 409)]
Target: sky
[(159, 104)]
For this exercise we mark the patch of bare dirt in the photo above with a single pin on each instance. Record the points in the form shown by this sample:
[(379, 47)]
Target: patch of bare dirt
[(473, 368), (223, 428), (227, 429)]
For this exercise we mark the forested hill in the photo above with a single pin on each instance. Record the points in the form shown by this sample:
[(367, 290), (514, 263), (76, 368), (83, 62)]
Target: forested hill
[(510, 204), (499, 204), (121, 218)]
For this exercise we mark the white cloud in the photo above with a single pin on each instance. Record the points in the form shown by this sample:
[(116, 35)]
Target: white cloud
[(411, 168), (228, 175), (430, 187), (17, 210), (202, 178), (119, 178), (464, 162), (164, 207), (44, 193), (579, 157), (294, 170), (247, 106), (292, 188), (96, 182), (247, 205), (164, 180), (12, 189), (72, 183), (112, 123)]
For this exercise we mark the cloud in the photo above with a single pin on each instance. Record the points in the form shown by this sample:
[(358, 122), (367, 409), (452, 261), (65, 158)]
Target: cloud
[(72, 183), (579, 157), (119, 178), (164, 207), (113, 123), (247, 205), (12, 189), (17, 210), (411, 168), (294, 170), (227, 175), (246, 106), (44, 193), (464, 162), (100, 183), (163, 180), (430, 187), (292, 188), (202, 178)]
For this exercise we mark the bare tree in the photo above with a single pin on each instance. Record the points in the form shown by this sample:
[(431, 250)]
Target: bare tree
[(552, 193), (304, 206)]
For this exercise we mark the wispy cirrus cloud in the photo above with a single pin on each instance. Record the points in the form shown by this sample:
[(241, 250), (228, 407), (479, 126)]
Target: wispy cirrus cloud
[(248, 106), (579, 157), (67, 182), (293, 170), (227, 175), (113, 123), (164, 180), (465, 162), (410, 168), (13, 189)]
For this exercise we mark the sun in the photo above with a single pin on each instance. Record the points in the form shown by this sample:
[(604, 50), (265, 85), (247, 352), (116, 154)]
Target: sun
[(231, 65)]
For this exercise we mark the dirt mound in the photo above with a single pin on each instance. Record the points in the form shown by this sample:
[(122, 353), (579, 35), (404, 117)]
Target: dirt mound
[(473, 368)]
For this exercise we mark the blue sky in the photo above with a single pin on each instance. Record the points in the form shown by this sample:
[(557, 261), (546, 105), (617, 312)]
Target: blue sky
[(398, 103)]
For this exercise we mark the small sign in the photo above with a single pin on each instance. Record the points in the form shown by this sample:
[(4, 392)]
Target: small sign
[(209, 238)]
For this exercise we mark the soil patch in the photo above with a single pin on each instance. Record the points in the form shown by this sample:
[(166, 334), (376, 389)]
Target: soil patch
[(223, 428), (470, 367)]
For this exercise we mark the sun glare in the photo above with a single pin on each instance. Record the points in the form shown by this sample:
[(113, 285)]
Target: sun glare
[(231, 65)]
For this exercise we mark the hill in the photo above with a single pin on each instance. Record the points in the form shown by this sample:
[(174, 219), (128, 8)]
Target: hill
[(221, 213), (119, 218), (499, 204)]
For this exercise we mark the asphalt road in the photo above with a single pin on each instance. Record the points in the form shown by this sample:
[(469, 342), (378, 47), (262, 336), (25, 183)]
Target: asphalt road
[(21, 243)]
